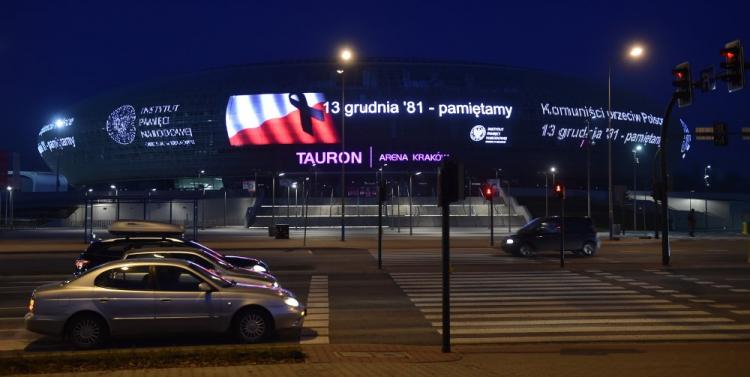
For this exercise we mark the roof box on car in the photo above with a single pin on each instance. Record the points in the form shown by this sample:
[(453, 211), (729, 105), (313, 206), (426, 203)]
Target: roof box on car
[(134, 228)]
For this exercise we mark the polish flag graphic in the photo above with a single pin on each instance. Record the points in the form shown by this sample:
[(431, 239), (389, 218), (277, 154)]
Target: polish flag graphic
[(280, 118)]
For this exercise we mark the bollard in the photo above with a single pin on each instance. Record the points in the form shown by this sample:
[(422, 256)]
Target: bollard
[(744, 228)]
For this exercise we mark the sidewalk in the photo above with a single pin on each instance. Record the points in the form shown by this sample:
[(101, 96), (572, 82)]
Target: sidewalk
[(700, 359)]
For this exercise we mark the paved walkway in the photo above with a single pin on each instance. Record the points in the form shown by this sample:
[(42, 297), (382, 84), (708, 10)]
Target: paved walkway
[(725, 359)]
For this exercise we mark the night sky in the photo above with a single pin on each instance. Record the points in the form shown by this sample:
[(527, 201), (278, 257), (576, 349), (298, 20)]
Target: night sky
[(56, 53)]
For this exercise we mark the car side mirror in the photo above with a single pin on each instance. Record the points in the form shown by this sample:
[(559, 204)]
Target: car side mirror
[(205, 287)]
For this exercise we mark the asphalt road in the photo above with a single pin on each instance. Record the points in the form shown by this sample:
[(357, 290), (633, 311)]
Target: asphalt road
[(623, 294)]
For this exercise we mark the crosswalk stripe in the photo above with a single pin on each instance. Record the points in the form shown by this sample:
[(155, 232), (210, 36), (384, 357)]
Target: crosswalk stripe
[(316, 325), (507, 302), (628, 328), (601, 338), (588, 321), (496, 298), (513, 293), (519, 285), (570, 314), (543, 288), (590, 309)]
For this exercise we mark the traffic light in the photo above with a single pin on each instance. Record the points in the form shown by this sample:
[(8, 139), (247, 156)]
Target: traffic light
[(559, 190), (721, 134), (450, 182), (487, 191), (683, 84), (734, 66)]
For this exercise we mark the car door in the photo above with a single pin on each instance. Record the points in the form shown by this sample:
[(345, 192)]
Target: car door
[(181, 306), (125, 297), (547, 237), (574, 233)]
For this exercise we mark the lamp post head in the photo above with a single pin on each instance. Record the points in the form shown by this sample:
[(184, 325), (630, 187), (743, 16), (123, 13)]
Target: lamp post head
[(282, 174), (636, 51), (638, 148), (418, 173), (91, 190), (346, 55), (553, 169), (112, 187), (9, 188)]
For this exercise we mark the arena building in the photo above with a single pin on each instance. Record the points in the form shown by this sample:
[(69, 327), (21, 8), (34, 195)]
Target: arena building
[(239, 125)]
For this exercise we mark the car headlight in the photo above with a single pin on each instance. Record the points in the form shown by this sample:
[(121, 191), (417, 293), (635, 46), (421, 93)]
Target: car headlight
[(31, 305), (509, 241), (291, 301), (276, 284), (259, 268)]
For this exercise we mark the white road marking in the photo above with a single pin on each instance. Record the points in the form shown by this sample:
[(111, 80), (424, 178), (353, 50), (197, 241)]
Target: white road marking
[(317, 324)]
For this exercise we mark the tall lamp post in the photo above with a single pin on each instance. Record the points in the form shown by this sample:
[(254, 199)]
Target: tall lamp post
[(273, 197), (117, 202), (637, 149), (9, 207), (552, 170), (635, 52), (411, 188), (345, 57)]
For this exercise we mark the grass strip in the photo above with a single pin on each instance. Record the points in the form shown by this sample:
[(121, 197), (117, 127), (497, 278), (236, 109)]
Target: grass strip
[(188, 357)]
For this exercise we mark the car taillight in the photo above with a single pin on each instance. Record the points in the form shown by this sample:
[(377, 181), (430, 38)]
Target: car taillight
[(31, 305), (81, 263)]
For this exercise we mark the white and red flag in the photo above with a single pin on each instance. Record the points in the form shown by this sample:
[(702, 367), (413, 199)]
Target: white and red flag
[(279, 118)]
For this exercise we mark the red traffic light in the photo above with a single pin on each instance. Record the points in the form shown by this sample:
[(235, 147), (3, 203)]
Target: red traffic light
[(487, 191), (559, 190), (734, 66), (683, 84)]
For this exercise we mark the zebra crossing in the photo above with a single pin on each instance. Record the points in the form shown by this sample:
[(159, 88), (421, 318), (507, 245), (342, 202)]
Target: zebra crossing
[(559, 306), (480, 256)]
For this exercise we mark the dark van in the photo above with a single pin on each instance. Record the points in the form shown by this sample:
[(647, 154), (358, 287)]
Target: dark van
[(543, 234)]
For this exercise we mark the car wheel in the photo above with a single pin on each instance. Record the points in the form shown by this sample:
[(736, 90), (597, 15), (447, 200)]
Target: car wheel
[(525, 251), (588, 250), (86, 331), (252, 326)]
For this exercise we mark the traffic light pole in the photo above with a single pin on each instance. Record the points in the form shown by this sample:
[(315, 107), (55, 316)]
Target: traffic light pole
[(492, 221), (446, 276), (562, 230), (380, 225), (665, 252)]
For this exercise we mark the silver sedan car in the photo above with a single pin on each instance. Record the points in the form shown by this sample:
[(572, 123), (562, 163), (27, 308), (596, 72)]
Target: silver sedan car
[(158, 296)]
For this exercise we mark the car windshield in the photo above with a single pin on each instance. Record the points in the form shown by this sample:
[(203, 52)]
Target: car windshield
[(531, 225), (213, 255), (213, 276)]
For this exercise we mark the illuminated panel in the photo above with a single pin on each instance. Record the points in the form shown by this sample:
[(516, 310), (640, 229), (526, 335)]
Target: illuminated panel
[(281, 118)]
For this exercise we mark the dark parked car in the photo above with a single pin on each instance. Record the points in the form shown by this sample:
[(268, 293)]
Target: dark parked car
[(149, 234), (543, 234), (209, 262)]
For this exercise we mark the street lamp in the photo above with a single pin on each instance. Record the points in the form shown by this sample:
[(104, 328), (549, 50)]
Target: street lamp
[(273, 197), (636, 52), (9, 207), (411, 221), (345, 57), (117, 202), (637, 149)]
